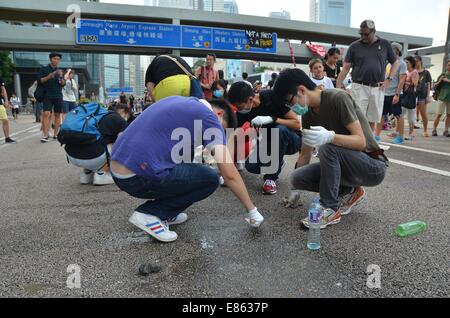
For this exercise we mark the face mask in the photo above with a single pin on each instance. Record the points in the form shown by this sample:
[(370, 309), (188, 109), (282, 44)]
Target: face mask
[(299, 109), (218, 93), (245, 111)]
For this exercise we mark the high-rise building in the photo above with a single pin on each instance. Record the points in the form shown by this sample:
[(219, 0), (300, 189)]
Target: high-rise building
[(230, 6), (335, 12), (280, 15), (179, 4)]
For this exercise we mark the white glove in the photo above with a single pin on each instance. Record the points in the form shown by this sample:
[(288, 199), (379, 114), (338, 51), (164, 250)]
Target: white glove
[(261, 121), (293, 201), (254, 218), (317, 136)]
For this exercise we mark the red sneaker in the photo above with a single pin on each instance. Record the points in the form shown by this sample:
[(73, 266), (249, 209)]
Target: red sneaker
[(270, 187), (351, 200)]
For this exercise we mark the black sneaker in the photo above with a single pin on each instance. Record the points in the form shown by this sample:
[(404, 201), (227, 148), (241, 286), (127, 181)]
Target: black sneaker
[(9, 141), (44, 139)]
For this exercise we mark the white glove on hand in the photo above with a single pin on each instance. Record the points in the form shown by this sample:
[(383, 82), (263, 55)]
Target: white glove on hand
[(254, 218), (317, 136), (261, 121), (293, 201)]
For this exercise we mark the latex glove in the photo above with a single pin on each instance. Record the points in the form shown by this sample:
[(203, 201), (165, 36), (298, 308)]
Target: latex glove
[(254, 218), (261, 121), (317, 136), (293, 201)]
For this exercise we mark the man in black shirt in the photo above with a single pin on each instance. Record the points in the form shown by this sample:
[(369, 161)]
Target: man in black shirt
[(164, 77), (266, 110), (52, 80), (93, 157)]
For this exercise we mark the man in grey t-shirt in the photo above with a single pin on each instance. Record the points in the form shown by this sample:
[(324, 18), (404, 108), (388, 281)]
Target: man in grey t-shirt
[(367, 57)]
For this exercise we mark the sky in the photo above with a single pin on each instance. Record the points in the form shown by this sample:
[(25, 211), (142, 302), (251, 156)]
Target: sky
[(426, 18)]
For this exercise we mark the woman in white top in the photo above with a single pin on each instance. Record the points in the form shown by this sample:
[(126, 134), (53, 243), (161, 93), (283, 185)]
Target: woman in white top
[(68, 91), (15, 103), (319, 76)]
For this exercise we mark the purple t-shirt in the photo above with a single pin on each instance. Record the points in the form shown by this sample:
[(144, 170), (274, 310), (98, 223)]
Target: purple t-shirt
[(146, 146)]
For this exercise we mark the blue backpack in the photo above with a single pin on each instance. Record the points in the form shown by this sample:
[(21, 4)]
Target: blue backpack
[(80, 127)]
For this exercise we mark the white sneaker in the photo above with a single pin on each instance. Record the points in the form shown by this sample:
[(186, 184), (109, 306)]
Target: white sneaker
[(86, 176), (103, 178), (153, 226), (180, 218)]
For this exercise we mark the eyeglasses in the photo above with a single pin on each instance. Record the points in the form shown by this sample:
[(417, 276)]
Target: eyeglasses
[(365, 34)]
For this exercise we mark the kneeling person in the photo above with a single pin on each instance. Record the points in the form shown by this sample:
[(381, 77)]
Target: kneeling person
[(349, 155), (93, 157), (145, 162)]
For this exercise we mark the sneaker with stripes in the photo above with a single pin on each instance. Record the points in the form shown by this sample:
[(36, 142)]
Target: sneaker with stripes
[(153, 226)]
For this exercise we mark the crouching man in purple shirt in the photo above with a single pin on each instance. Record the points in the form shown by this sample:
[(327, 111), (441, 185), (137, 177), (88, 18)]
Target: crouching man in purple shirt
[(152, 160)]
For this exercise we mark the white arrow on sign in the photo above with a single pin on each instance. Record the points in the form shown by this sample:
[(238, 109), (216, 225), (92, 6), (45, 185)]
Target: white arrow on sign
[(197, 44), (131, 41)]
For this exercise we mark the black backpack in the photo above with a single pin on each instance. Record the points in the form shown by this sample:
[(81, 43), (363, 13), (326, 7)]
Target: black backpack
[(39, 93)]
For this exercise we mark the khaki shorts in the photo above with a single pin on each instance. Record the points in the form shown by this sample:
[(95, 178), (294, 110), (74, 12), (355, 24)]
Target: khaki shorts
[(443, 107), (370, 100), (3, 115)]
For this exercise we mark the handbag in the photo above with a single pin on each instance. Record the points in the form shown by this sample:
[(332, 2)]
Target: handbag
[(196, 89), (409, 98)]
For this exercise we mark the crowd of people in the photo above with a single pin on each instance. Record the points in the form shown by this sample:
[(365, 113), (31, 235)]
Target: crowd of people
[(295, 113)]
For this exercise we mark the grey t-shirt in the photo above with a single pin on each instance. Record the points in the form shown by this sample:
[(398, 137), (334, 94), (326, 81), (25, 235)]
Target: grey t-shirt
[(338, 110), (392, 88), (369, 61)]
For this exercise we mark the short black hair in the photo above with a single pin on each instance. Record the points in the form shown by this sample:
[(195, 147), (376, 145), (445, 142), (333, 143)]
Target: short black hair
[(244, 75), (418, 58), (229, 114), (289, 80), (240, 92), (274, 76), (211, 54), (411, 60), (53, 54)]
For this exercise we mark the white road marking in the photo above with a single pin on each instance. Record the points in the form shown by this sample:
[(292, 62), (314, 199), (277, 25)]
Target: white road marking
[(417, 149), (19, 140), (420, 167), (29, 129)]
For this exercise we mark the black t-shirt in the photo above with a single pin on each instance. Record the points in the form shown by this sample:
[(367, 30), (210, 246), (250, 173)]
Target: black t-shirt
[(52, 87), (422, 87), (332, 73), (110, 126), (269, 106), (162, 67)]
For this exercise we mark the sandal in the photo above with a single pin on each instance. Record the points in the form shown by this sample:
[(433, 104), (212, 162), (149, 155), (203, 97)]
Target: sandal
[(426, 135)]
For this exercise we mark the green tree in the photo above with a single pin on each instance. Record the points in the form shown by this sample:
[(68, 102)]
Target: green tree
[(261, 69), (6, 67), (197, 64)]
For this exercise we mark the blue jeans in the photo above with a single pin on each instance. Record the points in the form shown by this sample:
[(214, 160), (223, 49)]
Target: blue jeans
[(185, 185), (289, 143)]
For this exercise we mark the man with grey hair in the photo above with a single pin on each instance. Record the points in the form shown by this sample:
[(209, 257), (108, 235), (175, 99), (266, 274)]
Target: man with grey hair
[(367, 57), (393, 92)]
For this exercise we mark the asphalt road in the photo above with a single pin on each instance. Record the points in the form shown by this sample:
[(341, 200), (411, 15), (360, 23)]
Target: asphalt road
[(49, 221)]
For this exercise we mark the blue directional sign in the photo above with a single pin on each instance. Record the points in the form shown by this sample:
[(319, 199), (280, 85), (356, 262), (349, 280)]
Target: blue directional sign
[(105, 32), (193, 37), (239, 40)]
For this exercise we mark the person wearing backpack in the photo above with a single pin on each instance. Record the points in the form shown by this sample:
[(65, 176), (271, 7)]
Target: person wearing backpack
[(423, 93), (88, 146), (51, 79), (442, 88), (169, 75)]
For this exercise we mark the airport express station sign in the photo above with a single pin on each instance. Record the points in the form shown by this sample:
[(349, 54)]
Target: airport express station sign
[(108, 32)]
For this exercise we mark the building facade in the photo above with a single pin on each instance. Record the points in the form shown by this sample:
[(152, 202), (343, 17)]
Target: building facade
[(335, 12)]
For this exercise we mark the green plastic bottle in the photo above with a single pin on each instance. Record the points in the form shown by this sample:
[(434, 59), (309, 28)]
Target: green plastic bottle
[(410, 228)]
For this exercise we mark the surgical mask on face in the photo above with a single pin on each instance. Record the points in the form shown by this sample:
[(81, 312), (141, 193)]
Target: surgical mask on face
[(245, 111), (300, 109), (218, 93)]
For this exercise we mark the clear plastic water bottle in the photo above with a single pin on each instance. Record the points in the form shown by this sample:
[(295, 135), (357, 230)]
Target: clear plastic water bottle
[(314, 218)]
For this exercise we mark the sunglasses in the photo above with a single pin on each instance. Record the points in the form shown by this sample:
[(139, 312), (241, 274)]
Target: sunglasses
[(365, 34)]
